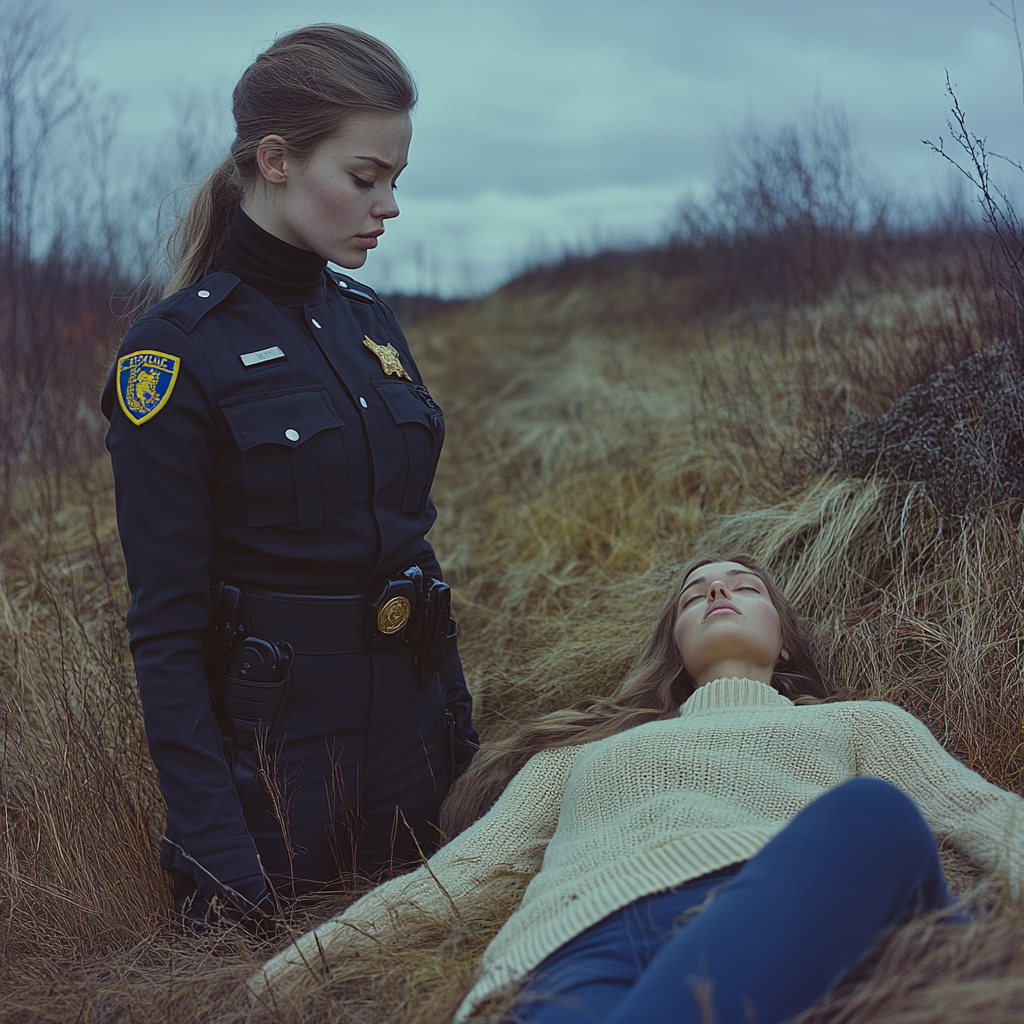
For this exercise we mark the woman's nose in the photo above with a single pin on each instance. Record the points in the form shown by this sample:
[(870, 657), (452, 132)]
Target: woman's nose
[(386, 208), (717, 590)]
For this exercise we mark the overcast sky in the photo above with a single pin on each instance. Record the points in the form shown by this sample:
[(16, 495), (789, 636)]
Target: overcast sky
[(552, 123)]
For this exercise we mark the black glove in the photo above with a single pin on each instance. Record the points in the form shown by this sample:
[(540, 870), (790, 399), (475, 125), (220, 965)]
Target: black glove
[(246, 902)]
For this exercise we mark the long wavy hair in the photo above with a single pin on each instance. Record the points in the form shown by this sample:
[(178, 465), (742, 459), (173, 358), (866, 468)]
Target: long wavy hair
[(654, 688), (304, 87)]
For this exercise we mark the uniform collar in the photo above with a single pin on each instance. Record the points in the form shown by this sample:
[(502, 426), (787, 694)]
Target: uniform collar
[(284, 273), (733, 693)]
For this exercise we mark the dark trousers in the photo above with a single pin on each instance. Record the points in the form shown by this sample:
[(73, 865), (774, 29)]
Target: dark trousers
[(779, 931), (353, 771), (356, 762)]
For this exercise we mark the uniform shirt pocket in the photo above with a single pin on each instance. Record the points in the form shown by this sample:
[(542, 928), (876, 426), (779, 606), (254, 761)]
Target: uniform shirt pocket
[(422, 426), (294, 461)]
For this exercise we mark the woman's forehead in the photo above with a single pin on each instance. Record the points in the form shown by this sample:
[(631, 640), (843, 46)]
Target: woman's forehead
[(718, 570)]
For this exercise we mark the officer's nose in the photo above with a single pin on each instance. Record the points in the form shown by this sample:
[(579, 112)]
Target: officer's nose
[(387, 208)]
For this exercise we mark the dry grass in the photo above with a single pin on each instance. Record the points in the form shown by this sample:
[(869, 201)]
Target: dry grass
[(585, 463)]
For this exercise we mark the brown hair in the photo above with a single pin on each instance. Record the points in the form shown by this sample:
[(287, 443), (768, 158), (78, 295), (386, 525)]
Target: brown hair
[(654, 688), (303, 88)]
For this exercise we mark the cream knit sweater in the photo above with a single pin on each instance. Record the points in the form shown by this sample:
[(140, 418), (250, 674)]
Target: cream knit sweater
[(607, 822)]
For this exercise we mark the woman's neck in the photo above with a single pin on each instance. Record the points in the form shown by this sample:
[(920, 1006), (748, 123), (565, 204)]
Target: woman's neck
[(738, 668), (284, 273)]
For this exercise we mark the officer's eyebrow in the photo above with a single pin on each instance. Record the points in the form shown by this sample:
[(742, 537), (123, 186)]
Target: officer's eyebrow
[(378, 161)]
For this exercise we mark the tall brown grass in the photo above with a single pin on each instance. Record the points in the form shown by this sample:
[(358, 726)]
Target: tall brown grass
[(597, 440)]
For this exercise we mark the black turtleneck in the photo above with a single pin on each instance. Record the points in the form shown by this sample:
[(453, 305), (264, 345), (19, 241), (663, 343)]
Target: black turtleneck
[(286, 274)]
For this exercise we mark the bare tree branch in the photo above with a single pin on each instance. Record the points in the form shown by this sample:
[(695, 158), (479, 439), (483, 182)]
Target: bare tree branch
[(1011, 16)]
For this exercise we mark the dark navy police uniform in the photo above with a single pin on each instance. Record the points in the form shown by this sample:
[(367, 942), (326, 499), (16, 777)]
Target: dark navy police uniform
[(257, 439)]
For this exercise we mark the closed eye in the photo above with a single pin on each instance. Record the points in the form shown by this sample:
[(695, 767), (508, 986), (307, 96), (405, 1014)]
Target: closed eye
[(362, 183)]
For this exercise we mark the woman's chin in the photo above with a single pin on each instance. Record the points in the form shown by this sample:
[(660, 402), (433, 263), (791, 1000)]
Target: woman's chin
[(348, 258)]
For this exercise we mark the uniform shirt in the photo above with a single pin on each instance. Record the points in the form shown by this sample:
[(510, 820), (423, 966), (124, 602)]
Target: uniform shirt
[(308, 471)]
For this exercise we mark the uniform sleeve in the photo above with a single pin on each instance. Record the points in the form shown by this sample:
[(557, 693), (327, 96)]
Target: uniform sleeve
[(459, 704), (458, 699), (512, 836), (163, 477), (980, 820)]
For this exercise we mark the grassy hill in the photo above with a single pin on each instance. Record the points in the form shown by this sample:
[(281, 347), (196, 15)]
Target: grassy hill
[(608, 419)]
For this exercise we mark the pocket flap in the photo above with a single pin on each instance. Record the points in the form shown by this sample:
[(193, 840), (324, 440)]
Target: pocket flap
[(287, 419), (404, 403)]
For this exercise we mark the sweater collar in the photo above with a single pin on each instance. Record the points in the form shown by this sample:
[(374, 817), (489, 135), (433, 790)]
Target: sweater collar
[(732, 693), (284, 273)]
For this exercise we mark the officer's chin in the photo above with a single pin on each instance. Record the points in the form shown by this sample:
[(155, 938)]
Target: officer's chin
[(348, 260)]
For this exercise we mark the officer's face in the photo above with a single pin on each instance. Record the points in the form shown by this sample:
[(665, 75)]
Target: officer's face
[(335, 202)]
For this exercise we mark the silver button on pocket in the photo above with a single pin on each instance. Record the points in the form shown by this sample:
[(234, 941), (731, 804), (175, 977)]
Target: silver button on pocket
[(291, 434), (203, 294)]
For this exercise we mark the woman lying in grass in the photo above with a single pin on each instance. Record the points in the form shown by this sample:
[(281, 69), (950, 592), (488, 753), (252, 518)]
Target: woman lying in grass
[(718, 837)]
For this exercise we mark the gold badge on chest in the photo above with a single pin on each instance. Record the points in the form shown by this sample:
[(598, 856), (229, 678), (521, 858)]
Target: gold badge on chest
[(388, 356)]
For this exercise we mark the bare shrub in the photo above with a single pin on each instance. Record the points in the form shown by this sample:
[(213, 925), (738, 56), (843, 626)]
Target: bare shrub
[(794, 219), (55, 279), (792, 215), (1006, 248)]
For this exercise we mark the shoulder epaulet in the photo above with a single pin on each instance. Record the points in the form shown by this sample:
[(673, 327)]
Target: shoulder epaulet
[(187, 307), (353, 289)]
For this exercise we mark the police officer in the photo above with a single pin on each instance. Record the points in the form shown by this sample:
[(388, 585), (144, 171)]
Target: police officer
[(273, 447)]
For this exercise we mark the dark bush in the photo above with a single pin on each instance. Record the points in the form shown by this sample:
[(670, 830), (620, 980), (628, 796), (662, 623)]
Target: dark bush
[(959, 432)]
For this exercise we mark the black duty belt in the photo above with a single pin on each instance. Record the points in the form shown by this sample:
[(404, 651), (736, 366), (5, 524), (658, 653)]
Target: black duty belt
[(255, 633), (408, 608), (311, 623)]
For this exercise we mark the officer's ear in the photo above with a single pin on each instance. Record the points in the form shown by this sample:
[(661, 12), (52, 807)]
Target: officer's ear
[(272, 160)]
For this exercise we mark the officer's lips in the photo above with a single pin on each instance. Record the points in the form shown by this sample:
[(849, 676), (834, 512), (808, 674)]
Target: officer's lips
[(369, 240)]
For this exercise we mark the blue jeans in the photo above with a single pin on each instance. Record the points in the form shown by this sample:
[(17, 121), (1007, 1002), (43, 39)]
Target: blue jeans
[(779, 931)]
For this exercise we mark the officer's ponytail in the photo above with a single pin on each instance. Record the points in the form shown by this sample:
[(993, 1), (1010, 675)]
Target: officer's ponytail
[(198, 235), (303, 88)]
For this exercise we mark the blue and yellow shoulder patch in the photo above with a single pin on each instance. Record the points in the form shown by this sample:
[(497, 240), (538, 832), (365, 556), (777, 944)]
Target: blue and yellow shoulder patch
[(145, 381)]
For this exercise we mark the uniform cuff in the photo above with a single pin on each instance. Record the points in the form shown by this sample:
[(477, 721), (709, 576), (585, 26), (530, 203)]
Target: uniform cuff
[(229, 868)]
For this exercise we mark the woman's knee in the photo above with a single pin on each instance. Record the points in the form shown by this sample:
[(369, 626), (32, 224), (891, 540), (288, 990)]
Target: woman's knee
[(874, 816), (869, 801)]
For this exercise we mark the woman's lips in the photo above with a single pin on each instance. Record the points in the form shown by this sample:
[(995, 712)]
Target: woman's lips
[(720, 606), (367, 241)]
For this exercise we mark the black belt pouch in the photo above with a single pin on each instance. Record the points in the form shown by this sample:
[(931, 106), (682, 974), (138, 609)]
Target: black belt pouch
[(253, 686)]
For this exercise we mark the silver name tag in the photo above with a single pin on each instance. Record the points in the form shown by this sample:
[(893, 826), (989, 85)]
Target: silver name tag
[(264, 355)]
